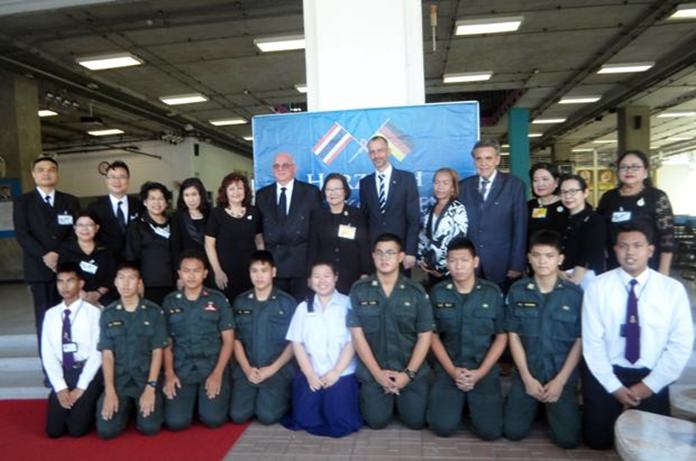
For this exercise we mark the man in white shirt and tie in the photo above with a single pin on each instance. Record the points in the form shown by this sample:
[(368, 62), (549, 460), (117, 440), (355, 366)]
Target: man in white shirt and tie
[(69, 354), (637, 334)]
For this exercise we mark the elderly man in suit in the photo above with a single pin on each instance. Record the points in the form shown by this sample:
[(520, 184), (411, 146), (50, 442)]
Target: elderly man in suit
[(116, 210), (389, 200), (496, 206), (285, 207), (43, 219)]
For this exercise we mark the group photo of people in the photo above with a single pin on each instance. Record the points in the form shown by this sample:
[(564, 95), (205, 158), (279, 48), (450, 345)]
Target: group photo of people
[(287, 305)]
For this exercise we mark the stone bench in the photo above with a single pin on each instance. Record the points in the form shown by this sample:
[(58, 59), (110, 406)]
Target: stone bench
[(683, 401), (643, 436)]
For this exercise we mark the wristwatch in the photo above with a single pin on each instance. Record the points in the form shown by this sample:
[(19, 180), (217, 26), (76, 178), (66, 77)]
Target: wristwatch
[(152, 384), (410, 373)]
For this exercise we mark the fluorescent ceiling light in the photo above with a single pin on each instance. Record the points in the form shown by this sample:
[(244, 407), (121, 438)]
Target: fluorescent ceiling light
[(605, 141), (536, 135), (488, 25), (109, 61), (505, 145), (227, 121), (108, 132), (684, 11), (47, 113), (582, 149), (177, 99), (547, 121), (676, 114), (248, 138), (579, 99), (625, 68), (301, 87), (679, 138), (285, 43), (467, 77)]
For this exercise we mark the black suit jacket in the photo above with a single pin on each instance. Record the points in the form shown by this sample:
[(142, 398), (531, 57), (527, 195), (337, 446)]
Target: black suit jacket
[(110, 234), (38, 231), (288, 241), (402, 215)]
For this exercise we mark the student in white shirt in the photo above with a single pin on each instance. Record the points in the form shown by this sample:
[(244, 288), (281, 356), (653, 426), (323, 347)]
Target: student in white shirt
[(325, 392), (637, 334), (69, 353)]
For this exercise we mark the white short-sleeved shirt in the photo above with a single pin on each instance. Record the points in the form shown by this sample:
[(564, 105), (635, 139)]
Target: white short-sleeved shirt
[(323, 333)]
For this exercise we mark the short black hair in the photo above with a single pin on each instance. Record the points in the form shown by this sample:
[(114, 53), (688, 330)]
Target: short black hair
[(389, 237), (344, 182), (70, 267), (151, 185), (644, 159), (573, 177), (323, 262), (118, 164), (43, 158), (204, 206), (546, 237), (88, 214), (462, 243), (262, 256), (637, 227), (129, 265), (192, 253)]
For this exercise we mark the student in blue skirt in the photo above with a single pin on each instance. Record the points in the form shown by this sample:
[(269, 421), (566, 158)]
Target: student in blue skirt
[(325, 392)]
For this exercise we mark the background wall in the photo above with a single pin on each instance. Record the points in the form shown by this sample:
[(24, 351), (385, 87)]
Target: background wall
[(678, 180)]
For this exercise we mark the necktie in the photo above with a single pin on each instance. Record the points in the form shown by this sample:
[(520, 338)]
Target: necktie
[(483, 188), (47, 199), (283, 205), (381, 195), (632, 326), (68, 357), (121, 216)]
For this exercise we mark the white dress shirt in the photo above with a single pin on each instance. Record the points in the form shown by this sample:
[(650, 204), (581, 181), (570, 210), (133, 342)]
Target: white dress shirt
[(84, 321), (51, 194), (490, 184), (288, 194), (387, 173), (666, 328), (323, 333), (124, 207)]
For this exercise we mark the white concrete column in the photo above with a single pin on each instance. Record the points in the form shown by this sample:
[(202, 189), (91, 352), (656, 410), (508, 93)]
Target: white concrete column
[(363, 53)]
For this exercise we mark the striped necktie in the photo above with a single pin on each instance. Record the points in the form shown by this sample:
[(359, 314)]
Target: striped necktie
[(381, 196)]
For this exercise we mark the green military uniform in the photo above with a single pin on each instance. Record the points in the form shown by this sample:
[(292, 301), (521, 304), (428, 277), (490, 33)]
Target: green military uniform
[(131, 336), (467, 325), (261, 328), (195, 329), (391, 326), (548, 325)]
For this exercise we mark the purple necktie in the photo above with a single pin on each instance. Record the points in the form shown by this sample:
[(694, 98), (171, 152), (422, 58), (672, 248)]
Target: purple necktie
[(632, 327), (68, 357)]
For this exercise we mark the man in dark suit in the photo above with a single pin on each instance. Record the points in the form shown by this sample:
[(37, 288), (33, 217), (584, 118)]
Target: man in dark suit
[(116, 210), (496, 206), (43, 219), (389, 200), (285, 207)]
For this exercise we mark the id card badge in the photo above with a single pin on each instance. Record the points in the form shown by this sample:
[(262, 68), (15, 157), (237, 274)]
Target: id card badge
[(346, 231), (65, 220), (89, 267), (69, 347), (620, 216), (539, 213)]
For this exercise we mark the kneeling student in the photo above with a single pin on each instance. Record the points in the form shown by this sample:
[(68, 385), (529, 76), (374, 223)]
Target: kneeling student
[(263, 373), (543, 323), (391, 322), (201, 333), (325, 391), (470, 337), (133, 334), (70, 357)]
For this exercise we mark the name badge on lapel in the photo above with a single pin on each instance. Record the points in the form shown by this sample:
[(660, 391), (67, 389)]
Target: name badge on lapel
[(65, 219), (69, 347), (621, 216), (346, 231), (89, 267), (539, 213)]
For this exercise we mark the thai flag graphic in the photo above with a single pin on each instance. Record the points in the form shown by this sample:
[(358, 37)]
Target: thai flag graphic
[(334, 141)]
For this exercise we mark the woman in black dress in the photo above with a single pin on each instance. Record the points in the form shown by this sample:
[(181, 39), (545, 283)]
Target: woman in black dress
[(636, 201), (96, 261), (233, 233), (338, 234), (546, 211), (148, 242), (584, 235), (190, 221)]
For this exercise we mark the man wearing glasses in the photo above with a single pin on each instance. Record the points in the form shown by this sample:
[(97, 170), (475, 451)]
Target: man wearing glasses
[(116, 210), (391, 322), (286, 206)]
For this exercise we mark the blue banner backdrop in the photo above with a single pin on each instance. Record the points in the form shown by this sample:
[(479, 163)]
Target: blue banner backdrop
[(422, 139)]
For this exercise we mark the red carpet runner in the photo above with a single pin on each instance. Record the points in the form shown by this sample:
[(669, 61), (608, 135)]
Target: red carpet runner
[(22, 438)]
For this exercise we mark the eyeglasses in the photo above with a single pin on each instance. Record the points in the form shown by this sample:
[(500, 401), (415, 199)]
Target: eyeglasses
[(282, 166), (385, 254), (570, 192), (116, 178), (634, 167)]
